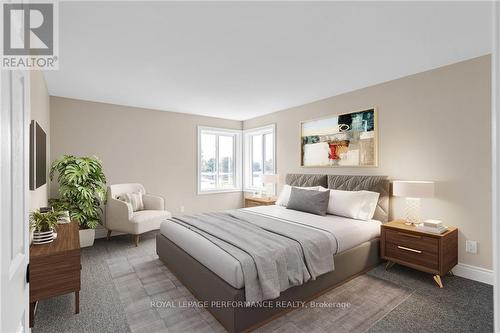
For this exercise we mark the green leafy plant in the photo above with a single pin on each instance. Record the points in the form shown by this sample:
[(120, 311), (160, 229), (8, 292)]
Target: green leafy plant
[(82, 188), (44, 221)]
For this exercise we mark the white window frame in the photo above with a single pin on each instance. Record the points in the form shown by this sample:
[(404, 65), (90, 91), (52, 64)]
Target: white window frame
[(247, 155), (236, 153)]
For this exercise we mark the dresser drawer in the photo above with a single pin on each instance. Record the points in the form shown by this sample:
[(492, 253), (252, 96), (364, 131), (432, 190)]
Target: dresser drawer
[(414, 241), (412, 255)]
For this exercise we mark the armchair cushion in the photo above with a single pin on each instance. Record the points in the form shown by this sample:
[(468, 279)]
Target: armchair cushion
[(146, 220)]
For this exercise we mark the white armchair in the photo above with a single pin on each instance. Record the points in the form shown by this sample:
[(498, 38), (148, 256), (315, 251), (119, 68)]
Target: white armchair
[(121, 218)]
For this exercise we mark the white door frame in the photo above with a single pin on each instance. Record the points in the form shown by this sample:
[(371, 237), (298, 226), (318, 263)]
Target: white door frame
[(495, 96), (14, 200)]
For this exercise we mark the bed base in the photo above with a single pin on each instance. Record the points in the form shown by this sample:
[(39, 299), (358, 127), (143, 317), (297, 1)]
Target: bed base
[(207, 286)]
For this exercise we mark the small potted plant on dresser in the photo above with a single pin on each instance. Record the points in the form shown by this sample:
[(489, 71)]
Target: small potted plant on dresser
[(44, 226), (82, 192)]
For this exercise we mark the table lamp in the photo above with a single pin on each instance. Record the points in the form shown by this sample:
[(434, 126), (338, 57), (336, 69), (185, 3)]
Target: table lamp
[(269, 179), (413, 191)]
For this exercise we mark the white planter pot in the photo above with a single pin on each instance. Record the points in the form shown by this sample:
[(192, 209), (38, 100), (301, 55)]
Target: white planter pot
[(43, 237), (87, 237)]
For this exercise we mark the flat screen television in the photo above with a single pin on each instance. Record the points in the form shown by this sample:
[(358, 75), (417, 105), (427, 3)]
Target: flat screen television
[(38, 156)]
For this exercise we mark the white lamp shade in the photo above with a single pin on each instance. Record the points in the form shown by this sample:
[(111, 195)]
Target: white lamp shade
[(413, 189), (269, 179)]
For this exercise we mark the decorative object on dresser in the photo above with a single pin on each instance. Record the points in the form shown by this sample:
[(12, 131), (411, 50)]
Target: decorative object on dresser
[(343, 140), (258, 201), (44, 226), (136, 219), (54, 268), (428, 252), (82, 192), (413, 191), (64, 219), (45, 209)]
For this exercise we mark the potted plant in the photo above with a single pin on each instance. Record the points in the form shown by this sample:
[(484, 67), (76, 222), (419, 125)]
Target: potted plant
[(43, 226), (82, 192)]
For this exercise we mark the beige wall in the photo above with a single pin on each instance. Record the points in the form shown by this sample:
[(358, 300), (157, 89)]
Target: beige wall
[(40, 111), (155, 148), (433, 125)]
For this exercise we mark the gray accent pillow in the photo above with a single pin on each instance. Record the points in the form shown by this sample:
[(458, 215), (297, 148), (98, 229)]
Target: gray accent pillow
[(309, 201)]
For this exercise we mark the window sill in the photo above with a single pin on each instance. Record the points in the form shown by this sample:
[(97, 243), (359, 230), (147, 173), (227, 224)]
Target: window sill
[(220, 191)]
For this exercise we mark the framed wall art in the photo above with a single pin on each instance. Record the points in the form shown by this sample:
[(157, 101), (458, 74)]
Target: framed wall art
[(344, 140)]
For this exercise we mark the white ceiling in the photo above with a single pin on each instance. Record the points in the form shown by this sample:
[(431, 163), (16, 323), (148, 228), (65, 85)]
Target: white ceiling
[(240, 60)]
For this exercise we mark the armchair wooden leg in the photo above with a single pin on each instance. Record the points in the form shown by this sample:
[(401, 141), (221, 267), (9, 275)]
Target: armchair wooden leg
[(109, 235), (136, 240)]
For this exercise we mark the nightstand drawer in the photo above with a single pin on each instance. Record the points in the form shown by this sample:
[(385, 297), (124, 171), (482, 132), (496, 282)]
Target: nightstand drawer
[(411, 255), (414, 241)]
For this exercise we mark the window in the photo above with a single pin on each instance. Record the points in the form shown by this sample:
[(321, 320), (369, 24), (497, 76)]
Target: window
[(259, 152), (219, 160)]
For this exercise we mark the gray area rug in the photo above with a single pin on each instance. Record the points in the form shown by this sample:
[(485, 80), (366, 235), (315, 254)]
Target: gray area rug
[(143, 280), (367, 300), (119, 281)]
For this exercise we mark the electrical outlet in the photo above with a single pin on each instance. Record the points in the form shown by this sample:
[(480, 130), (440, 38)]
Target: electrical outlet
[(471, 246), (182, 209)]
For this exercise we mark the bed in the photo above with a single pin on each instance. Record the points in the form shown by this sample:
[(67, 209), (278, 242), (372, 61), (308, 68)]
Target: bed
[(217, 278)]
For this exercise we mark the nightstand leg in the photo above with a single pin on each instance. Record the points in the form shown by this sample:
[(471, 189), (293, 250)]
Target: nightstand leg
[(451, 273), (389, 265), (437, 278)]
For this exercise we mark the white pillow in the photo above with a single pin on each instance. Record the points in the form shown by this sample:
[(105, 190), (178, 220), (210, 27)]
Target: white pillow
[(133, 199), (287, 190), (358, 205), (368, 206)]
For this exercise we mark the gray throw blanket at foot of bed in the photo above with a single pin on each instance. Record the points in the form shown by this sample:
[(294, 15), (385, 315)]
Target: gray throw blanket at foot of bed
[(274, 255)]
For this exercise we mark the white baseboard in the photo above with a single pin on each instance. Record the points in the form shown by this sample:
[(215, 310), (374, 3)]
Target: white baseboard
[(474, 273)]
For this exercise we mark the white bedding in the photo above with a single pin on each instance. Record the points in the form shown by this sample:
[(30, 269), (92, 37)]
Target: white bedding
[(348, 234)]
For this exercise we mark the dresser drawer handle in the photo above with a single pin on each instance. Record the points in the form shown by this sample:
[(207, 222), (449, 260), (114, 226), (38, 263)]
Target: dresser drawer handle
[(409, 235), (409, 249)]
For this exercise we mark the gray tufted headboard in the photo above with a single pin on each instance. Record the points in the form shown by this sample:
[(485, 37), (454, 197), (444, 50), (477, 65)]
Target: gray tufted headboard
[(378, 184)]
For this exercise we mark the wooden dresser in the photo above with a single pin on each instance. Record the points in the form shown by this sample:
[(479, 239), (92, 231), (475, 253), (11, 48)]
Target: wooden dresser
[(258, 201), (54, 268), (427, 252)]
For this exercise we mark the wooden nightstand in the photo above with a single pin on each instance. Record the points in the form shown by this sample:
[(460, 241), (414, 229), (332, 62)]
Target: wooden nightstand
[(256, 201), (427, 252)]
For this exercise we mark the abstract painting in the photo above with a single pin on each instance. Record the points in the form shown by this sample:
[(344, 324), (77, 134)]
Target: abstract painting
[(345, 140)]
